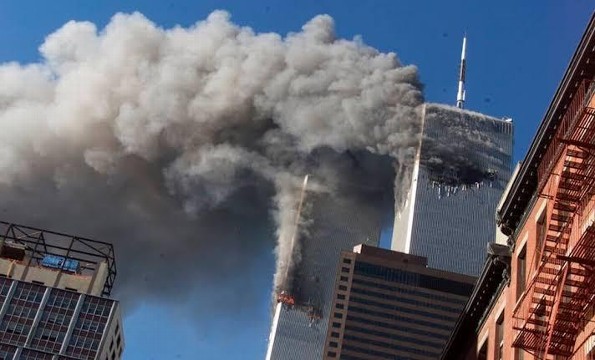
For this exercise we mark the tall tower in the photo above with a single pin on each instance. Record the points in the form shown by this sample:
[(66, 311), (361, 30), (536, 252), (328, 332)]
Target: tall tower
[(336, 223), (53, 296), (461, 167)]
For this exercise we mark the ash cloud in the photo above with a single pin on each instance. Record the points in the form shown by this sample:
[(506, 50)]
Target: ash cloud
[(185, 146)]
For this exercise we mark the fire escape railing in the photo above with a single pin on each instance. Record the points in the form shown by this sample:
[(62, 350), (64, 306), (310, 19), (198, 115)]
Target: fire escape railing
[(560, 289), (569, 119)]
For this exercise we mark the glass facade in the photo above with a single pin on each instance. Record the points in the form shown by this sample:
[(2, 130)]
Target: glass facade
[(22, 308), (337, 224), (464, 163), (38, 322), (55, 319), (89, 328)]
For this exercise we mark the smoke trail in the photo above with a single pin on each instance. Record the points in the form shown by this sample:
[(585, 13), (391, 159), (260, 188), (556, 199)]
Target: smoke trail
[(176, 143)]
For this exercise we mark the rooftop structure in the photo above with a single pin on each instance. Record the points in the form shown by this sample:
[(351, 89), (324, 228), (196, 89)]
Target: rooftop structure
[(51, 296)]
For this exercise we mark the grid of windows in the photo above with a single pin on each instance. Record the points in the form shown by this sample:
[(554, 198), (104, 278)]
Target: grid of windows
[(393, 346), (409, 291), (89, 328), (4, 287), (28, 354), (392, 336), (394, 317), (55, 319), (410, 278), (19, 317), (7, 351), (399, 327), (400, 299), (402, 309)]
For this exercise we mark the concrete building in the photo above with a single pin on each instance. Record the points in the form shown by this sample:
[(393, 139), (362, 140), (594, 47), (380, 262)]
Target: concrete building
[(53, 297), (461, 167), (298, 329), (390, 305), (536, 299)]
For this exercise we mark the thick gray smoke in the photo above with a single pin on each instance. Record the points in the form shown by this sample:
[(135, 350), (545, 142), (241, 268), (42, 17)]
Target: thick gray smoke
[(187, 147)]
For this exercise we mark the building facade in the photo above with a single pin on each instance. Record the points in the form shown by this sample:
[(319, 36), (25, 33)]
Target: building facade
[(541, 305), (461, 167), (53, 302), (390, 305), (298, 330)]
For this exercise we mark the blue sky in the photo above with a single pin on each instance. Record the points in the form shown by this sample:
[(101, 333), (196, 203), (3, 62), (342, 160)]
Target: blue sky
[(517, 54)]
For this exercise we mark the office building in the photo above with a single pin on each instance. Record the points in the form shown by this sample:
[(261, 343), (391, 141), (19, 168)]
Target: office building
[(53, 297), (299, 327), (539, 304), (390, 305), (461, 167)]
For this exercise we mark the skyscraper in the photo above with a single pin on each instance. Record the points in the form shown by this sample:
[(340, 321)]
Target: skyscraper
[(338, 223), (389, 305), (53, 302), (461, 167)]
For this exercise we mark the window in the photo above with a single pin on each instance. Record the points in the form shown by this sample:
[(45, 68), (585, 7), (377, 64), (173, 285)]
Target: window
[(540, 233), (341, 297), (331, 354), (342, 287), (519, 354), (500, 336), (521, 272), (338, 315), (336, 325), (483, 351), (333, 344), (347, 261), (334, 334), (340, 306), (345, 269), (344, 278)]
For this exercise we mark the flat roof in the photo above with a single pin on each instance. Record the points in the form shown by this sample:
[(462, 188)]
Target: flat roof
[(39, 242)]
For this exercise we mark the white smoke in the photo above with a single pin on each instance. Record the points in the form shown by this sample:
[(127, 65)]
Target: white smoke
[(177, 144)]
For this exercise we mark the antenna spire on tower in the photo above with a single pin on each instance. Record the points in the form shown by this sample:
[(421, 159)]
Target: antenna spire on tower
[(461, 91)]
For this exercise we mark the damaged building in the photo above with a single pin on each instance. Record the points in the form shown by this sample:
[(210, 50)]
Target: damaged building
[(461, 167), (336, 223)]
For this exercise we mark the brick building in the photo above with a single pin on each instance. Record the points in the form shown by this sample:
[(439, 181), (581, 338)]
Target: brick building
[(535, 297)]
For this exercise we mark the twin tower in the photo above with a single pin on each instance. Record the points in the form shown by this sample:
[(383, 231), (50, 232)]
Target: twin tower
[(445, 212)]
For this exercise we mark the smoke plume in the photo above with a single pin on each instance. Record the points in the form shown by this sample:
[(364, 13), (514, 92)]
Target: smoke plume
[(187, 147)]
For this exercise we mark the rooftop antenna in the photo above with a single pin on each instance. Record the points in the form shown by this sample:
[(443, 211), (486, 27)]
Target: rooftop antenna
[(461, 92)]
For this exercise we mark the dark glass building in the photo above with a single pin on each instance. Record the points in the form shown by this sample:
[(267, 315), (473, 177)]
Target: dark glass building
[(461, 168), (390, 305)]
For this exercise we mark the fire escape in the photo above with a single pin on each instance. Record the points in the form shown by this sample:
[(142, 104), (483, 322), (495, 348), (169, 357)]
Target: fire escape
[(550, 315)]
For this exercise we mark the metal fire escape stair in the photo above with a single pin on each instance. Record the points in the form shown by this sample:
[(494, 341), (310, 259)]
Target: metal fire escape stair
[(541, 295), (548, 315)]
